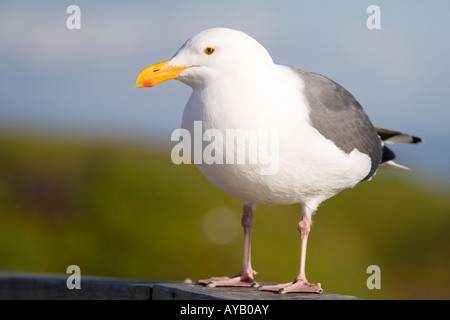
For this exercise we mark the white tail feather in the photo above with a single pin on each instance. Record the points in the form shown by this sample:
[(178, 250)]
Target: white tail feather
[(393, 165)]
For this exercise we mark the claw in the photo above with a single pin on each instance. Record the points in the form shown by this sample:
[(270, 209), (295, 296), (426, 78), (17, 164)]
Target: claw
[(237, 281), (293, 287)]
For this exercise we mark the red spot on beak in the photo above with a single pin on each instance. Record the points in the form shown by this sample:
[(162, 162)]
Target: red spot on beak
[(147, 83)]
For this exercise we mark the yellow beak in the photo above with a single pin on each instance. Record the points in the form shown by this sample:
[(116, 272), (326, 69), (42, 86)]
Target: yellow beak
[(157, 73)]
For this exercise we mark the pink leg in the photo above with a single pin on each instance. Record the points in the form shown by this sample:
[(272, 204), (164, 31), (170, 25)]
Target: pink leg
[(245, 276), (300, 284)]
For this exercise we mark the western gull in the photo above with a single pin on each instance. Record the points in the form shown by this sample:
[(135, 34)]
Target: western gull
[(323, 140)]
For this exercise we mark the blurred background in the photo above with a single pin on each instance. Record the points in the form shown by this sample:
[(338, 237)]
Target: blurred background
[(85, 171)]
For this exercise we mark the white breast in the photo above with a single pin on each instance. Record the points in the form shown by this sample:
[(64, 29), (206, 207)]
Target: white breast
[(310, 167)]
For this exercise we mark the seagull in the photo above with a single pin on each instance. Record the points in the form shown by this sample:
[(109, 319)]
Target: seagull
[(325, 142)]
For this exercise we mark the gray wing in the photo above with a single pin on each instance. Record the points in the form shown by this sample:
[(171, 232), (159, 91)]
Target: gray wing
[(338, 116)]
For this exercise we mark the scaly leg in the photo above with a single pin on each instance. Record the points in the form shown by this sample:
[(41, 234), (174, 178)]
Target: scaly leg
[(300, 284), (245, 276)]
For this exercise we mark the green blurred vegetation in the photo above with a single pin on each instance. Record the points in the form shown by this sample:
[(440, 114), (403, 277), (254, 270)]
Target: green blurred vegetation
[(125, 210)]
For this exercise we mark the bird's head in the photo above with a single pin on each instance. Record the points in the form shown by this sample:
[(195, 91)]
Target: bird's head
[(214, 54)]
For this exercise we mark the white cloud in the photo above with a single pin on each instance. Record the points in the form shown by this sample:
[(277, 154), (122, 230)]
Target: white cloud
[(37, 31), (40, 36)]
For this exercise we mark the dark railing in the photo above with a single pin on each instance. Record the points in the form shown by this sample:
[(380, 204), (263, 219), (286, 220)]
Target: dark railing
[(32, 286)]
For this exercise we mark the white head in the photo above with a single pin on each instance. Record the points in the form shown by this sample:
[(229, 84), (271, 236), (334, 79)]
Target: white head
[(210, 55)]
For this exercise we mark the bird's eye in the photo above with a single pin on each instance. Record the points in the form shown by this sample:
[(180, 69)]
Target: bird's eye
[(209, 51)]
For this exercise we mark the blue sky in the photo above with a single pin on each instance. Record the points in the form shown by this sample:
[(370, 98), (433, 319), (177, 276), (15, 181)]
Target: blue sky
[(57, 80)]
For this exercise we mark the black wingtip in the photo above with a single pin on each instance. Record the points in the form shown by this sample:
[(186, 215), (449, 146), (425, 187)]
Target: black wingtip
[(388, 154), (416, 140)]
